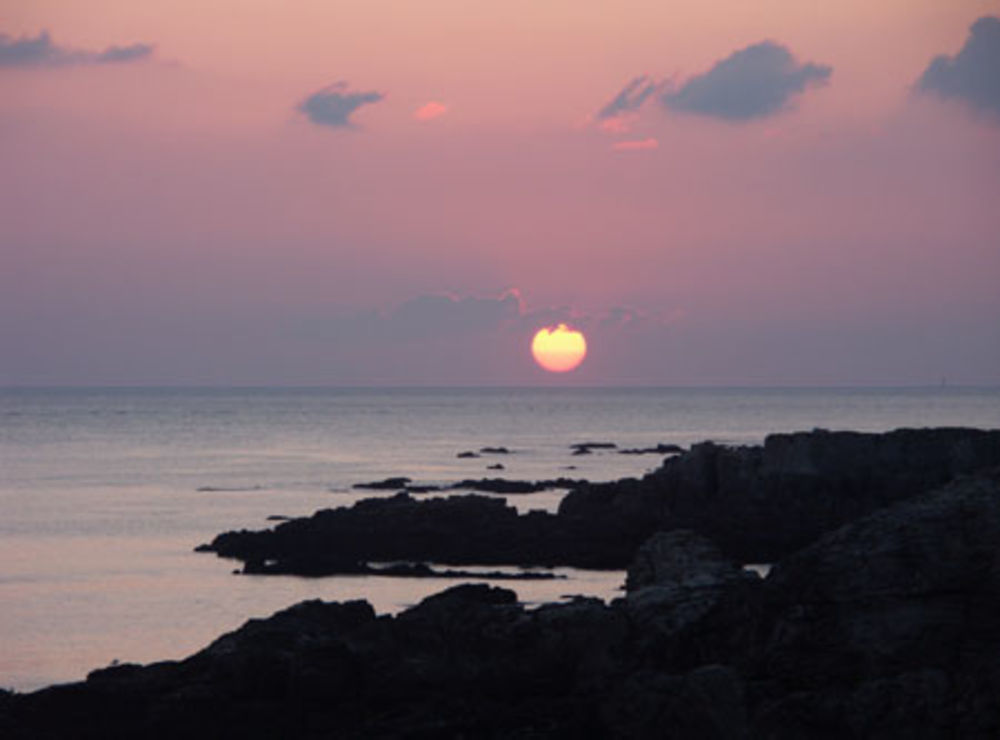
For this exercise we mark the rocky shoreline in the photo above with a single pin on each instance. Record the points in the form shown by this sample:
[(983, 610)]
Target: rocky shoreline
[(757, 503), (880, 616)]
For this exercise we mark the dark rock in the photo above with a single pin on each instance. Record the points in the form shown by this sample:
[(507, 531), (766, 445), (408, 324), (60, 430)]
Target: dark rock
[(423, 489), (467, 454), (886, 628), (892, 623), (494, 450), (593, 446), (761, 503), (756, 503), (660, 449), (681, 559), (458, 529), (501, 485), (495, 466), (387, 484), (422, 570), (227, 489), (676, 581)]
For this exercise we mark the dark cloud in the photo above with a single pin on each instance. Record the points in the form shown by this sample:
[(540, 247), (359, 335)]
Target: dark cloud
[(333, 105), (437, 314), (40, 51), (972, 75), (754, 82), (630, 98), (425, 316)]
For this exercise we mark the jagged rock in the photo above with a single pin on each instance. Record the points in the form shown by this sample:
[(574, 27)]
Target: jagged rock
[(676, 581), (892, 623), (680, 559), (458, 529), (761, 503)]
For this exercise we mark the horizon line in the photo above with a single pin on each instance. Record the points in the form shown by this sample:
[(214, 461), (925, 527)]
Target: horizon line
[(708, 386)]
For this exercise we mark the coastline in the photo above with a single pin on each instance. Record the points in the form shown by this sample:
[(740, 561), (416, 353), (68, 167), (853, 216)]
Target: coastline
[(677, 590)]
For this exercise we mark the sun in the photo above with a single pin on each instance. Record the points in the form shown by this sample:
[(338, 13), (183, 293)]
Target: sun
[(559, 349)]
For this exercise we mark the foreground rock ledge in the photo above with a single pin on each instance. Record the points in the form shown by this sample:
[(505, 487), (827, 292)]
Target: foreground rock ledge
[(888, 627), (757, 503)]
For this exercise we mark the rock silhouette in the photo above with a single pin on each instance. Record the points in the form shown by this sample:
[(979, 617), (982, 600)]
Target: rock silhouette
[(757, 503), (888, 627)]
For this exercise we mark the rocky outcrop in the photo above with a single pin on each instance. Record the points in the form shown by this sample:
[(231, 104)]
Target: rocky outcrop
[(756, 503), (680, 559), (455, 530), (761, 503), (888, 628), (892, 624)]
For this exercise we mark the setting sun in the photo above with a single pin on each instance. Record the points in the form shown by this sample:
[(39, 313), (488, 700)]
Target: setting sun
[(559, 349)]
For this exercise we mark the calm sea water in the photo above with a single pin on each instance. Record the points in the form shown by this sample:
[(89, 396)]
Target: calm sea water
[(100, 507)]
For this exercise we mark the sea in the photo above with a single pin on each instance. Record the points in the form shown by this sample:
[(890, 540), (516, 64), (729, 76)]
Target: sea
[(105, 492)]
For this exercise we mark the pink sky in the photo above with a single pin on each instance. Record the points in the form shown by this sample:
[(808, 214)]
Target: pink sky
[(203, 214)]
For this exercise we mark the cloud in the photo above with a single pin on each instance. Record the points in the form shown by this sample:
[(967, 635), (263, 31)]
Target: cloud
[(40, 51), (632, 146), (973, 75), (433, 315), (629, 99), (333, 105), (430, 110), (130, 53), (754, 82)]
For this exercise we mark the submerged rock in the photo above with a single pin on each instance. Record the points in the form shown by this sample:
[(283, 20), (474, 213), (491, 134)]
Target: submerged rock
[(660, 449), (502, 485), (386, 484)]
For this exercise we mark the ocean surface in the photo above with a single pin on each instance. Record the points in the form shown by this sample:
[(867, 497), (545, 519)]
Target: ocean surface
[(100, 506)]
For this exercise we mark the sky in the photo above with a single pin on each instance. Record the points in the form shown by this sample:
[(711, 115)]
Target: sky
[(401, 192)]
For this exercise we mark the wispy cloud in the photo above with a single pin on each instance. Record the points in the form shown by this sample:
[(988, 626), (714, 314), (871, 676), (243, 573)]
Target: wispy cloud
[(333, 105), (629, 99), (973, 75), (751, 83), (41, 51), (633, 146), (429, 111)]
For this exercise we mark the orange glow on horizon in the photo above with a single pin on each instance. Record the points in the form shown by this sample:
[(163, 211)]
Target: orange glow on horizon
[(559, 349)]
